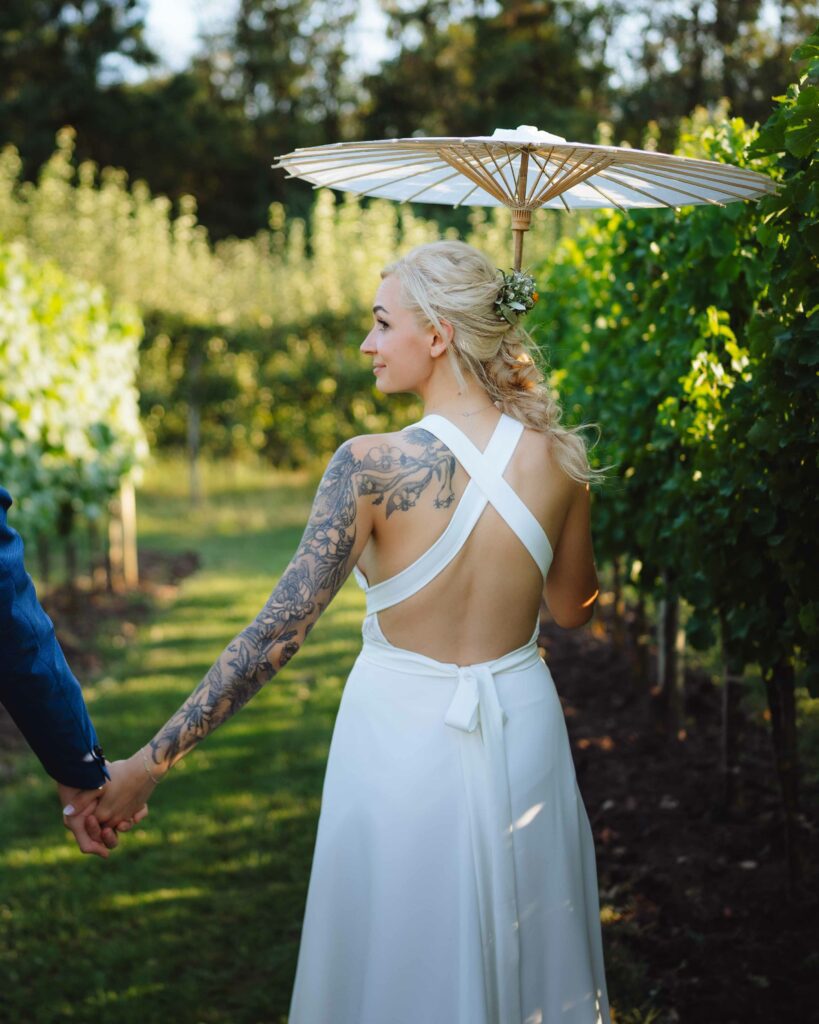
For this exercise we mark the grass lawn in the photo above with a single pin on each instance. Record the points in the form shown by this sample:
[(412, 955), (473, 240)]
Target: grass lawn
[(195, 918)]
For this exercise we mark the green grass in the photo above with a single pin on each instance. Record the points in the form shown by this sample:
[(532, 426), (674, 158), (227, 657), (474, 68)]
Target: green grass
[(195, 918)]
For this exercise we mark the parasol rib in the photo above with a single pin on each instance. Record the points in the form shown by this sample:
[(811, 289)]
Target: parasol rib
[(390, 147), (347, 162), (551, 177), (542, 164), (465, 196), (378, 169), (657, 199), (580, 173), (429, 185), (484, 180), (556, 182), (469, 191), (676, 173), (690, 179), (690, 166), (509, 157)]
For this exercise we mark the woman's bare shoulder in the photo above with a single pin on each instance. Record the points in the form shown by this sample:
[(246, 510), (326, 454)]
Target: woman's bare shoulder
[(379, 447), (540, 455), (402, 469)]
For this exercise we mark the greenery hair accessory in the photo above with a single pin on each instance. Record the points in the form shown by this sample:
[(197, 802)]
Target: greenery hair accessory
[(516, 297)]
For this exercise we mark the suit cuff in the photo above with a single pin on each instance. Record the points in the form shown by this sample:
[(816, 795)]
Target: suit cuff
[(96, 756)]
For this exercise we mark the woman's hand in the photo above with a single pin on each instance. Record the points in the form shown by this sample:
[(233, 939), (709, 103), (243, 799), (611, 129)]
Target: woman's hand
[(82, 821), (89, 836), (127, 792)]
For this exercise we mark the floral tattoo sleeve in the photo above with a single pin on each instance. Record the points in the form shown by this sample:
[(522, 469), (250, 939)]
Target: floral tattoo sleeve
[(329, 547)]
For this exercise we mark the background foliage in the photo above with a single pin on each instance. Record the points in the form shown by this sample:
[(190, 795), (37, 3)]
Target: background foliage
[(277, 76), (69, 415)]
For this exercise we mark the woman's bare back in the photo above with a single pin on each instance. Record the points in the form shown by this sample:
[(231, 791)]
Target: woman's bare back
[(485, 601)]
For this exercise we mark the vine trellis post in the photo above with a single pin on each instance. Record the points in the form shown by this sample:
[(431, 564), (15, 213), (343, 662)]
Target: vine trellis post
[(121, 563)]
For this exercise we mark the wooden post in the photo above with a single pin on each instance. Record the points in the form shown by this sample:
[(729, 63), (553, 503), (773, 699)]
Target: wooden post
[(679, 669), (65, 529), (618, 624), (114, 562), (130, 568), (779, 685), (666, 682), (194, 423), (195, 359), (637, 646), (97, 573)]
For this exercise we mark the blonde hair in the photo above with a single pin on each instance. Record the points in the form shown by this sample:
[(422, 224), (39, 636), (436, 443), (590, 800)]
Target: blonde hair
[(455, 282)]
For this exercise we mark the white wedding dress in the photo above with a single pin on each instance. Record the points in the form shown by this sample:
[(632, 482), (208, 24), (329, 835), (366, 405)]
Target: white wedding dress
[(454, 877)]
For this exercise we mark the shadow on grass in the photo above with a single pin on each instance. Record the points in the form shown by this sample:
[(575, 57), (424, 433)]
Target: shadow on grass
[(202, 906), (196, 917)]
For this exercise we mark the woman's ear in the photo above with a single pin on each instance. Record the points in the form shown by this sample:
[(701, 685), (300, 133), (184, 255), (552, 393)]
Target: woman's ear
[(441, 339)]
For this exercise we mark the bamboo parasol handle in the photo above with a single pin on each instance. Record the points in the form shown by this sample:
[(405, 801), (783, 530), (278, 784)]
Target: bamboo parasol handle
[(521, 217), (521, 220)]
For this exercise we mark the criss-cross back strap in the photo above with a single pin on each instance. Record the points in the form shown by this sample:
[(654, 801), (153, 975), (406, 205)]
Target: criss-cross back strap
[(487, 474), (404, 584)]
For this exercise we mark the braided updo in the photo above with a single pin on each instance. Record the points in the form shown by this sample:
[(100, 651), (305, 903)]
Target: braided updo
[(455, 282)]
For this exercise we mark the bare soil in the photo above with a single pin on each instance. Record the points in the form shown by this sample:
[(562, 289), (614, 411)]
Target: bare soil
[(698, 923)]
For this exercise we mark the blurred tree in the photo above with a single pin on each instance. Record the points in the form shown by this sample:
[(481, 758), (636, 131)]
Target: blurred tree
[(468, 67), (182, 136), (283, 66), (278, 76), (692, 52), (53, 58)]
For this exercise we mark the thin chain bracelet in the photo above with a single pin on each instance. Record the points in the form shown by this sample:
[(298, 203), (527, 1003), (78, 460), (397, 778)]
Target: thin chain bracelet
[(148, 770)]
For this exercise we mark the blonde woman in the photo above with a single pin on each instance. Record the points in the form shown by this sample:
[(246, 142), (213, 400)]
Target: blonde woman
[(453, 878)]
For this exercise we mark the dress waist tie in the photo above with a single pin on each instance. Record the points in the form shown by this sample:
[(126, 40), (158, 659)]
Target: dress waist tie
[(475, 712)]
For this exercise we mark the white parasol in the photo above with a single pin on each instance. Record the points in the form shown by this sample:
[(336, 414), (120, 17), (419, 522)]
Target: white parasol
[(523, 169)]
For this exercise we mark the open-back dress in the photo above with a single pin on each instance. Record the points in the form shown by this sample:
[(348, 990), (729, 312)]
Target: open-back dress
[(453, 877)]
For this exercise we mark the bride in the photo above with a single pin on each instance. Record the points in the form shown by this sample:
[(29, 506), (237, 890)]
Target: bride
[(453, 877)]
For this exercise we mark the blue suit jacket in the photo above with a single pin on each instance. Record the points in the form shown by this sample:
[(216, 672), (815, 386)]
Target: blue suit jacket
[(36, 685)]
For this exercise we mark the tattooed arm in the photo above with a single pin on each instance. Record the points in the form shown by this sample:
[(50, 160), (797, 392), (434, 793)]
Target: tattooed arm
[(363, 473), (337, 531)]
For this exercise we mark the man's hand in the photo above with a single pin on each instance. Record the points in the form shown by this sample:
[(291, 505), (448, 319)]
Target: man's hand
[(79, 806)]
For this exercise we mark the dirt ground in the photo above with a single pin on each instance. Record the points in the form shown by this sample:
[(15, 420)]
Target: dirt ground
[(697, 925)]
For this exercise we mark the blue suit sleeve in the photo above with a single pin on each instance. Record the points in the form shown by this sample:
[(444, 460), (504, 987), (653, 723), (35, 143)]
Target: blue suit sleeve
[(37, 687)]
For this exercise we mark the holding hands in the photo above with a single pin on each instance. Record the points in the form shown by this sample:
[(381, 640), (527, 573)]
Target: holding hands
[(96, 816)]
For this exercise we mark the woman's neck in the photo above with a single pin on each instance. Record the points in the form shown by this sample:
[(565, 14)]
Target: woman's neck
[(457, 410), (444, 398)]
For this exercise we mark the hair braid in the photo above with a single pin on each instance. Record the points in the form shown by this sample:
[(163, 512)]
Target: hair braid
[(455, 282)]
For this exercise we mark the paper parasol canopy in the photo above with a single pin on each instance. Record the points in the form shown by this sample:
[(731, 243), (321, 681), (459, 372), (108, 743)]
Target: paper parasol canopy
[(523, 169)]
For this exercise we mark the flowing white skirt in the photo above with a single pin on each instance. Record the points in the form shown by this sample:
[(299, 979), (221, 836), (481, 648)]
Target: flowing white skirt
[(453, 877)]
